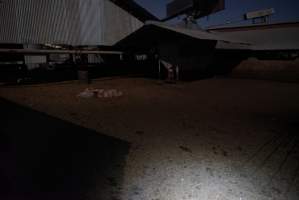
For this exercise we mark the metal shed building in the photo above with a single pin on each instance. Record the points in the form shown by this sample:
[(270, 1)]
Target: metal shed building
[(70, 22)]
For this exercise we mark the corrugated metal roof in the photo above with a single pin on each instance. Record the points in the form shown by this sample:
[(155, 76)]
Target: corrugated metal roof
[(267, 37), (53, 51), (222, 41), (272, 37), (254, 27), (71, 22)]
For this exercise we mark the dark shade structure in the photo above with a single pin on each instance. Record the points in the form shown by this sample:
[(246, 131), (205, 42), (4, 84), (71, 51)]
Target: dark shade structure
[(45, 158)]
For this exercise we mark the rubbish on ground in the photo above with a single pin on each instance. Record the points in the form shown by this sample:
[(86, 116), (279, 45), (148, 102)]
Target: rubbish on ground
[(186, 149), (100, 93), (87, 93)]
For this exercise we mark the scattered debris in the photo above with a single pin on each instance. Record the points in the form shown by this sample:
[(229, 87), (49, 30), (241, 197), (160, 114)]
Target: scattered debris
[(210, 171), (112, 181), (136, 191), (87, 93), (224, 153), (239, 148), (139, 132), (215, 150), (100, 93), (186, 149), (276, 190)]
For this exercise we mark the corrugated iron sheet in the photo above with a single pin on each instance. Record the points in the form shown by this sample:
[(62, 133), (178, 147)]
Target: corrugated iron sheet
[(273, 37), (162, 28), (281, 37), (195, 33), (71, 22)]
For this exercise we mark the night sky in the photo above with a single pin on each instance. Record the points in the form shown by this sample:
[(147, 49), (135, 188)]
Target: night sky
[(286, 10)]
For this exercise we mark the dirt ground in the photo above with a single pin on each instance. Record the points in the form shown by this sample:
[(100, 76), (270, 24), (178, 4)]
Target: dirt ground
[(278, 70), (216, 139)]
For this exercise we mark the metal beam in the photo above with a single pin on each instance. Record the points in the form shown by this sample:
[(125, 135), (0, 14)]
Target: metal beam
[(49, 51)]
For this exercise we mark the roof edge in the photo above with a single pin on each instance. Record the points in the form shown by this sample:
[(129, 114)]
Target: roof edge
[(254, 27)]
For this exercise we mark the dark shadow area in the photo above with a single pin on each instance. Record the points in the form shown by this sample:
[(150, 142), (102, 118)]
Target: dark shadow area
[(46, 158), (18, 74), (196, 61), (197, 58), (224, 61), (201, 65), (12, 74)]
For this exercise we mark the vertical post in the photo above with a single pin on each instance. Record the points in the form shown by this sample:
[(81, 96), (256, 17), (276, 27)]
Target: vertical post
[(83, 71), (159, 69), (177, 72)]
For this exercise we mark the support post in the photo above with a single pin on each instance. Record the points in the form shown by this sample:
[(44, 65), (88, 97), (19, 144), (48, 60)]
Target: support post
[(177, 72), (159, 69)]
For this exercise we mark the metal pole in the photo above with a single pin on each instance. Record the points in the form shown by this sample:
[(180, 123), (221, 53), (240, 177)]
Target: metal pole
[(177, 69), (159, 69)]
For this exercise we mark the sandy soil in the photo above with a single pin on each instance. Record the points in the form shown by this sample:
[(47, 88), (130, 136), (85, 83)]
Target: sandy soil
[(211, 139), (279, 70)]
